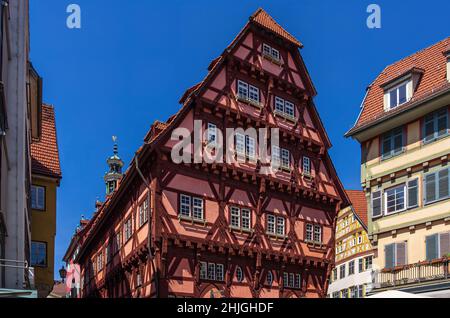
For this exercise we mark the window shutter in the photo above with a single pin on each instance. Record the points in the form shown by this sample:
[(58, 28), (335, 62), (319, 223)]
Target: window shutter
[(429, 128), (443, 183), (442, 122), (444, 244), (389, 256), (401, 254), (432, 247), (398, 140), (386, 145), (430, 187), (413, 195), (376, 204)]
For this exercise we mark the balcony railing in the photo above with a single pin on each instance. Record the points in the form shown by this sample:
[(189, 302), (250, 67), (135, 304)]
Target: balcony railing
[(412, 274)]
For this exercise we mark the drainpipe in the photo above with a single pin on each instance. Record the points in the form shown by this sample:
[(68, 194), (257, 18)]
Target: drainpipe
[(149, 224)]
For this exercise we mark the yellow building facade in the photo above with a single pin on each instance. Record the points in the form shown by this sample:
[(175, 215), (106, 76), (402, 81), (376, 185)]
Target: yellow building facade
[(351, 276), (404, 133), (46, 175)]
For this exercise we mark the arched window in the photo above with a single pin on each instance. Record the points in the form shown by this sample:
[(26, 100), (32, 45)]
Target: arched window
[(239, 274), (269, 278)]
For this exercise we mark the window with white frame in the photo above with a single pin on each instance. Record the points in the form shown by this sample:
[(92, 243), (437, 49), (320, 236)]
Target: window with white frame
[(197, 208), (317, 233), (212, 133), (100, 261), (191, 207), (37, 197), (281, 157), (242, 89), (212, 271), (271, 52), (246, 219), (395, 199), (281, 226), (398, 95), (240, 218), (220, 273), (248, 92), (271, 220), (291, 280), (435, 125), (245, 146), (143, 213), (185, 205), (250, 147), (306, 166), (285, 159), (253, 93), (128, 228), (284, 107), (309, 232)]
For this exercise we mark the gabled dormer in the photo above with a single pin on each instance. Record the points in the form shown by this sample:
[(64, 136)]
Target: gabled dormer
[(400, 90)]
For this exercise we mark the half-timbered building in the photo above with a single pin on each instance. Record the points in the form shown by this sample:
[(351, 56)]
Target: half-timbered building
[(221, 229)]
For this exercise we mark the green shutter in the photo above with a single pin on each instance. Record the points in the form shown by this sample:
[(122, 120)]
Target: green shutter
[(443, 184), (432, 247), (401, 254), (376, 204), (444, 244), (430, 187), (389, 256)]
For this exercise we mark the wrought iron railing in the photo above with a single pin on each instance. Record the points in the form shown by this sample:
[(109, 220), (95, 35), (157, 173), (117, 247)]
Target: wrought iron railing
[(412, 274)]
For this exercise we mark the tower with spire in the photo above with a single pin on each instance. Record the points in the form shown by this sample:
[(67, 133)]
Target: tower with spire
[(114, 174)]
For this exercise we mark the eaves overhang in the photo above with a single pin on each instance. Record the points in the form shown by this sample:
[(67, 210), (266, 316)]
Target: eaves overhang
[(404, 114)]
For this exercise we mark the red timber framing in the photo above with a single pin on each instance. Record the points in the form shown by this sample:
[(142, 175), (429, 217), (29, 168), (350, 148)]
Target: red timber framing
[(207, 256)]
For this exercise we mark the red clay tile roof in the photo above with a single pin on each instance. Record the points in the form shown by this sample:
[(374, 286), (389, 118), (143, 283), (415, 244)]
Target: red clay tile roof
[(359, 203), (262, 18), (44, 152), (431, 61)]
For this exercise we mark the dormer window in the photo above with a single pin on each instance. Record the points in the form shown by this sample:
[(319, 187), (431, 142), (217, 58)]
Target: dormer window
[(271, 53), (398, 95)]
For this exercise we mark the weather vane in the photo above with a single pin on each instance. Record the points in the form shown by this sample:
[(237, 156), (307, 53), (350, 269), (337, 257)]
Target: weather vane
[(114, 138)]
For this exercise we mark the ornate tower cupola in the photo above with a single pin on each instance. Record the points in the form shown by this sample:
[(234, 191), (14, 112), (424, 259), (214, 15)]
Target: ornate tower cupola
[(114, 174)]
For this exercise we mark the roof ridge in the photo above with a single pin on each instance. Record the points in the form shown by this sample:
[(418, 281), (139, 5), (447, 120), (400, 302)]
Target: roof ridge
[(415, 53), (287, 36)]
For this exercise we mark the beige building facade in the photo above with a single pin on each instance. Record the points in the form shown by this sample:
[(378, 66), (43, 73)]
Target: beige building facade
[(404, 132)]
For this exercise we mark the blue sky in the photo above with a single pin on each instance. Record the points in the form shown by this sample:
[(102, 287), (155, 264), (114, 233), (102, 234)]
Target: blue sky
[(132, 60)]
